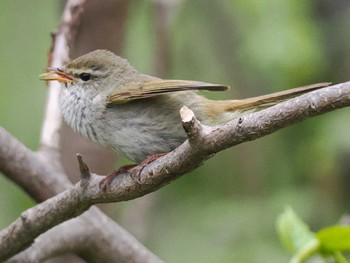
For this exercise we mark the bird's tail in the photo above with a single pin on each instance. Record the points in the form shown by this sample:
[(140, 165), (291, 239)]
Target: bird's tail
[(231, 109)]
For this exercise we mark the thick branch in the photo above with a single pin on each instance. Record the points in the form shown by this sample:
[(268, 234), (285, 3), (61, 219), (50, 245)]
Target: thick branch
[(40, 218), (29, 170), (184, 159)]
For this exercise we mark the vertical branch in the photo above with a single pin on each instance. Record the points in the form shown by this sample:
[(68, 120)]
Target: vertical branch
[(59, 55)]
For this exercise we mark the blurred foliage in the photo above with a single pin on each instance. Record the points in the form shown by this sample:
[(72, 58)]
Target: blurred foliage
[(224, 211), (330, 243)]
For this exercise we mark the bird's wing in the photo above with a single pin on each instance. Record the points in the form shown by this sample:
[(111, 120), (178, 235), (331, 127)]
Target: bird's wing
[(134, 91)]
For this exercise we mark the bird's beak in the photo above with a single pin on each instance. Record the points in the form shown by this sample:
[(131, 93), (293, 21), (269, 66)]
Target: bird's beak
[(56, 74)]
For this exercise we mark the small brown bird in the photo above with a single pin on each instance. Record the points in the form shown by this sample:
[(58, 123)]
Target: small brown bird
[(109, 102)]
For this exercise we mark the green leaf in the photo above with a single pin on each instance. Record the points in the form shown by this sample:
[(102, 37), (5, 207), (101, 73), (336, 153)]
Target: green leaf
[(311, 247), (335, 238), (293, 232)]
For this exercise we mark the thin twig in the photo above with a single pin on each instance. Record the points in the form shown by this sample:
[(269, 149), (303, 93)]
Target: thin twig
[(192, 126), (85, 174)]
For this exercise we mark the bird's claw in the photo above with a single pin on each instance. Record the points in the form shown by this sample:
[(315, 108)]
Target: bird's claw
[(135, 171), (106, 182)]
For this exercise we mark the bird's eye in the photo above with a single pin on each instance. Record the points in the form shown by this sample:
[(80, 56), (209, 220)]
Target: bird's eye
[(85, 76)]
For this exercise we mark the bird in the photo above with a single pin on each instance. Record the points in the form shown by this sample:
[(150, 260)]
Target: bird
[(109, 102)]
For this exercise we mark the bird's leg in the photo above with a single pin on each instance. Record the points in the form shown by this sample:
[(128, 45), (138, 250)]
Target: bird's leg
[(106, 182), (136, 171)]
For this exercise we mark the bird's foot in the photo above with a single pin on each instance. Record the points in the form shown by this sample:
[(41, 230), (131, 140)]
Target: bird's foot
[(136, 171), (106, 182)]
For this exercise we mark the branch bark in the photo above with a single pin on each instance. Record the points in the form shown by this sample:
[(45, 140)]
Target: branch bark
[(40, 175), (184, 159)]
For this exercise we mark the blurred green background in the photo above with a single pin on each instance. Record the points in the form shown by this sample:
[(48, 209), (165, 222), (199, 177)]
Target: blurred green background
[(225, 211)]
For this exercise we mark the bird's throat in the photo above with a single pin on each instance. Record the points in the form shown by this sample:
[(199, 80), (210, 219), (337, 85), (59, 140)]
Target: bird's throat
[(81, 113)]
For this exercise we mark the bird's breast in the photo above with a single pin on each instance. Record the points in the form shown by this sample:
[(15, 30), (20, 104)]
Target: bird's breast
[(82, 115)]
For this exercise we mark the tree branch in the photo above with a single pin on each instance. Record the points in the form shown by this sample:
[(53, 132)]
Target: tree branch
[(40, 218), (178, 162), (40, 176), (85, 235)]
